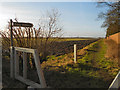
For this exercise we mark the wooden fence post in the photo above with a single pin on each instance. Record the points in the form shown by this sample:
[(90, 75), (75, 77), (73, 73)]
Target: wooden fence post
[(39, 70), (75, 53)]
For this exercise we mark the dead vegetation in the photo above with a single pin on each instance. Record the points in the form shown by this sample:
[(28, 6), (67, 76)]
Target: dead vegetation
[(36, 38), (113, 50)]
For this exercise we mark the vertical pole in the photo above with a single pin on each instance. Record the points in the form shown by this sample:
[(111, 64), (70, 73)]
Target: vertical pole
[(39, 69), (11, 33), (75, 53), (11, 53)]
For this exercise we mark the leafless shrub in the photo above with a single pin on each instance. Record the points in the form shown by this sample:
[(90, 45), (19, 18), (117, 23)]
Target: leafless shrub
[(35, 38)]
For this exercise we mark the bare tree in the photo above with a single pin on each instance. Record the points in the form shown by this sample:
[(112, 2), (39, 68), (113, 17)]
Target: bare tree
[(50, 28), (111, 16), (39, 38)]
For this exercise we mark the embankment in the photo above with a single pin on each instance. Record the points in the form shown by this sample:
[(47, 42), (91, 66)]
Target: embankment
[(115, 37)]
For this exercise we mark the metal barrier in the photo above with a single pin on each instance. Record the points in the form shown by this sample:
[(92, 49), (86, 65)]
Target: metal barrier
[(37, 63), (115, 83)]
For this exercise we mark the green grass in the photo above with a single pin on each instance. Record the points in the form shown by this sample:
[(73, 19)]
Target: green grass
[(92, 70)]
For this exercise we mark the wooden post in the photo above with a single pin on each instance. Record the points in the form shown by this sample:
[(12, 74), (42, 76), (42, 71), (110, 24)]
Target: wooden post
[(24, 66), (39, 70), (11, 53), (75, 53)]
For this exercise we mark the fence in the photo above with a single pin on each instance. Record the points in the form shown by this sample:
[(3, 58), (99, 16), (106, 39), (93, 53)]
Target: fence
[(37, 63)]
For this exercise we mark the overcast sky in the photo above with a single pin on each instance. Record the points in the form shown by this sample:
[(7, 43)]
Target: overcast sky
[(77, 18)]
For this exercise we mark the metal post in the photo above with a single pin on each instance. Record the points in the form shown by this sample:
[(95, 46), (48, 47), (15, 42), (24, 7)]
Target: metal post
[(116, 82), (11, 33), (75, 53), (12, 52)]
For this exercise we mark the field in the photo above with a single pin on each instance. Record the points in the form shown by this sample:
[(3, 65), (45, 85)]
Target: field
[(64, 46), (92, 69), (60, 47)]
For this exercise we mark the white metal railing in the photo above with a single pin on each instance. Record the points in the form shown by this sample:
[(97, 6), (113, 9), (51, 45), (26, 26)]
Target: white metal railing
[(0, 63), (115, 83), (37, 63)]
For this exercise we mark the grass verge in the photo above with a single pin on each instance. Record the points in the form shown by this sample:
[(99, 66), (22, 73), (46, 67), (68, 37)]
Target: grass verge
[(92, 69)]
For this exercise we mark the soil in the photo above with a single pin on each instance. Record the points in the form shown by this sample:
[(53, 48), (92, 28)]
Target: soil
[(65, 47)]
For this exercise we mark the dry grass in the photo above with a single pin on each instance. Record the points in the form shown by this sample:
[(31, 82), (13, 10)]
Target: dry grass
[(113, 50), (92, 69)]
